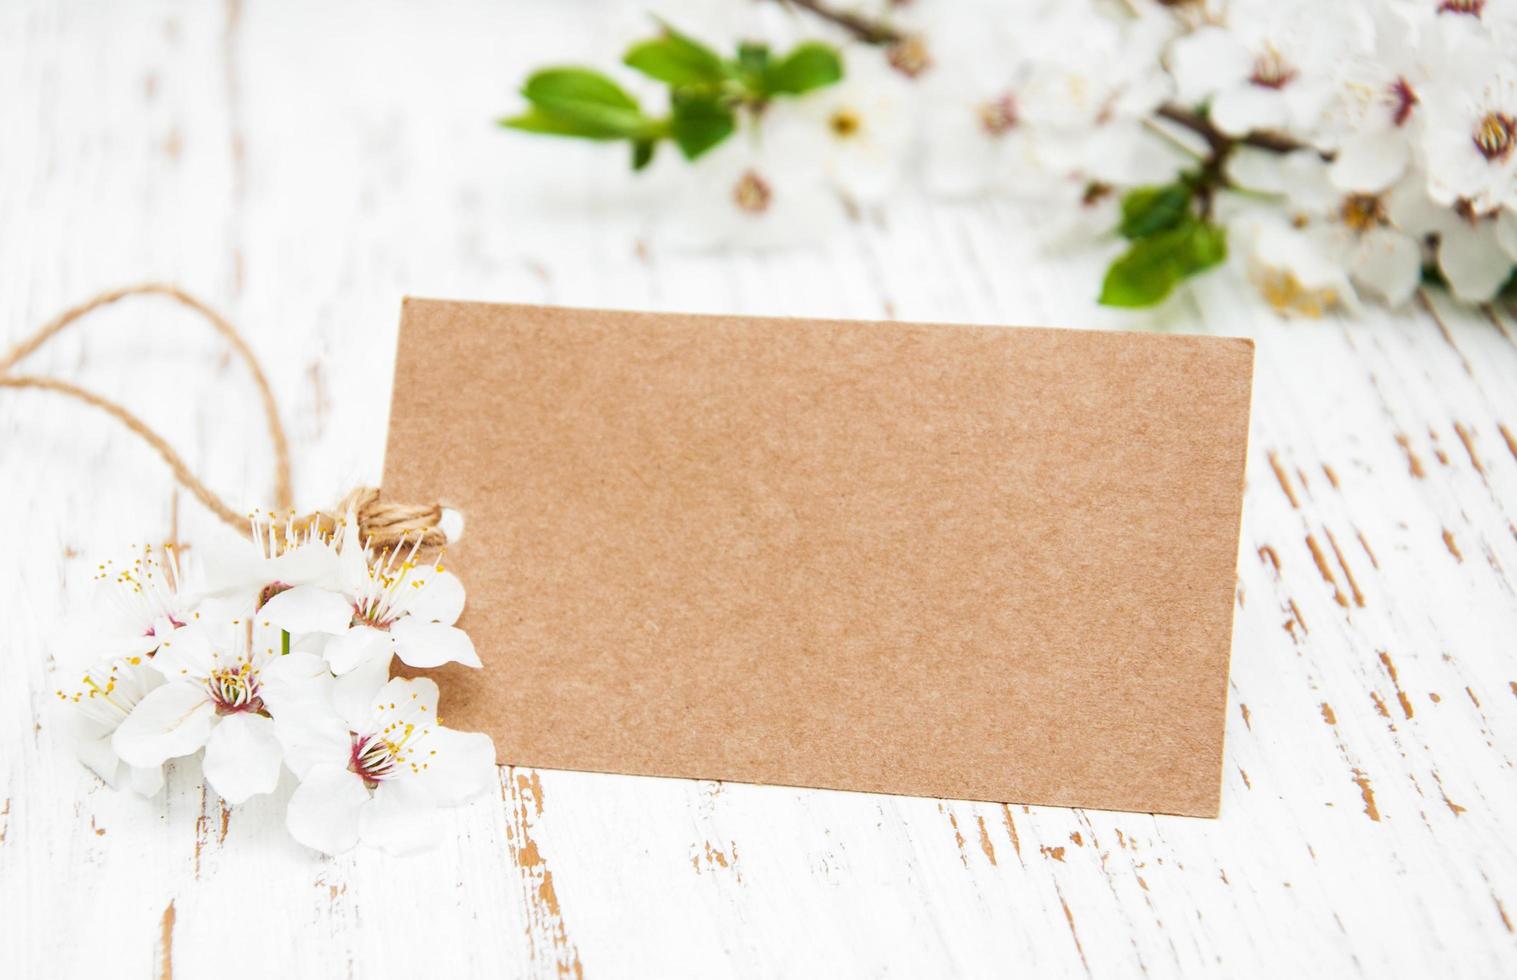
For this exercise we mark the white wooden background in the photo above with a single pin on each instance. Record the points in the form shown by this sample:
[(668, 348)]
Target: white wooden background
[(304, 165)]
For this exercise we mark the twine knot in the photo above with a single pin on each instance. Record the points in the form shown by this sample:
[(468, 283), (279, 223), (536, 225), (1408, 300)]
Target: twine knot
[(383, 525)]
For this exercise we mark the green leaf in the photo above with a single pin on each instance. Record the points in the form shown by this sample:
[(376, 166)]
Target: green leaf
[(642, 153), (808, 66), (537, 121), (577, 85), (699, 122), (752, 59), (581, 102), (677, 59), (1147, 210), (1149, 271)]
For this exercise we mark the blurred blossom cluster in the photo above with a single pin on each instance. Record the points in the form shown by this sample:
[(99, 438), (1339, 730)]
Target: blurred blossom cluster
[(1331, 151)]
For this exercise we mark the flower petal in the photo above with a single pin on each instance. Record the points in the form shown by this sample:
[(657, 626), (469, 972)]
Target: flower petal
[(1410, 209), (1370, 162), (185, 654), (125, 646), (325, 809), (452, 767), (353, 693), (313, 563), (1242, 109), (1205, 61), (233, 567), (1388, 263), (242, 757), (347, 650), (298, 690), (1506, 232), (434, 596), (398, 824), (960, 155), (99, 757), (419, 692), (309, 609), (1472, 262), (1256, 170), (296, 683), (238, 605), (1307, 182), (310, 740), (352, 558), (171, 721), (420, 644), (145, 780)]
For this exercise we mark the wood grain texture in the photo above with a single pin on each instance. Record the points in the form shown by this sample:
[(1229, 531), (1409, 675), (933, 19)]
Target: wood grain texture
[(306, 165)]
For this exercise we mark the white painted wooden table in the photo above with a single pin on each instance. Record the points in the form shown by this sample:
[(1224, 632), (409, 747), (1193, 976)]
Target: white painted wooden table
[(305, 165)]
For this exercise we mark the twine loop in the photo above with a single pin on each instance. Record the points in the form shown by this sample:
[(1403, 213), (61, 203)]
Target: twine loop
[(381, 524)]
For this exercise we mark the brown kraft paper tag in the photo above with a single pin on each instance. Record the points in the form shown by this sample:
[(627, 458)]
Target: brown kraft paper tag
[(975, 563)]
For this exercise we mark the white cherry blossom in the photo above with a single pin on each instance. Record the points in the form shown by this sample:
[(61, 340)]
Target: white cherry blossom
[(1296, 273), (144, 601), (137, 607), (380, 776), (1351, 234), (1494, 20), (1470, 136), (1267, 67), (1473, 251), (1002, 113), (859, 131), (280, 554), (105, 694), (977, 123), (1079, 212), (1381, 258), (219, 693), (1375, 119), (380, 606), (744, 194)]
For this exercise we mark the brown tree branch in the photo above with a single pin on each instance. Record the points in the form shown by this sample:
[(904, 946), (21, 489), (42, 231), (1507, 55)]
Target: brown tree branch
[(863, 28), (1217, 141)]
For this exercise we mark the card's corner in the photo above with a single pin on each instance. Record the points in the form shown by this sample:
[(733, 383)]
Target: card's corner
[(1244, 347), (1208, 807)]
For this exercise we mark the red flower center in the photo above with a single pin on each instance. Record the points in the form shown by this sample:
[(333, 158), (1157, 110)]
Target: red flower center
[(1271, 70), (752, 193), (1471, 8), (1403, 100), (234, 690), (1000, 115), (1495, 135), (372, 758)]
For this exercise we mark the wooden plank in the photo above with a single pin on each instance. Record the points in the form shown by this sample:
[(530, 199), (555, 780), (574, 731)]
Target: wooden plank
[(303, 166)]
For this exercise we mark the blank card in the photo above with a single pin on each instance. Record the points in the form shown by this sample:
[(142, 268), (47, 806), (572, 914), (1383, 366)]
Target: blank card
[(978, 563)]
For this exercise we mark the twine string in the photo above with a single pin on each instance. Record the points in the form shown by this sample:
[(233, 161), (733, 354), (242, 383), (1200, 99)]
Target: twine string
[(176, 465), (50, 329), (381, 524)]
